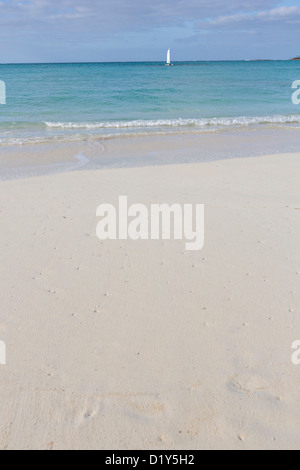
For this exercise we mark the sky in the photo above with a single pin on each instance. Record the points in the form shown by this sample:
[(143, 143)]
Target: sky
[(143, 30)]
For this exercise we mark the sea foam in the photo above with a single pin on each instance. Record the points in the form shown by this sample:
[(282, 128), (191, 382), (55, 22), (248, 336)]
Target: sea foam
[(173, 123)]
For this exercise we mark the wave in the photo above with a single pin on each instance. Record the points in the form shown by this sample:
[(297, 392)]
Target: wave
[(173, 123), (19, 133)]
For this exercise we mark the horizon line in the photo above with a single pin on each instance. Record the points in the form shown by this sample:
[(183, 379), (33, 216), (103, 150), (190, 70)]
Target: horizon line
[(146, 61)]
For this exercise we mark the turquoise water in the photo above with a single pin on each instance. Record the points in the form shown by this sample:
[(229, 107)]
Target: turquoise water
[(75, 101)]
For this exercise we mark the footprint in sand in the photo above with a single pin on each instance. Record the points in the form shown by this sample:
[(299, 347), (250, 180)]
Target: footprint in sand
[(89, 411)]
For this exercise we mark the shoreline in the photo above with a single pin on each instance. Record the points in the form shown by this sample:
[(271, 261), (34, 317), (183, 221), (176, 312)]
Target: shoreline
[(123, 344), (19, 162)]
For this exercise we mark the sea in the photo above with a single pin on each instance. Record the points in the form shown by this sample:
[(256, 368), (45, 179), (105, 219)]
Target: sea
[(100, 101)]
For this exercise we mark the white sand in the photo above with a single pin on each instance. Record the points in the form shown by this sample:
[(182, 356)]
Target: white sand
[(141, 345)]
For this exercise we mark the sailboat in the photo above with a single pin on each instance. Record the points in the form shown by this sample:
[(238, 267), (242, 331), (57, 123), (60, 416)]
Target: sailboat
[(169, 58)]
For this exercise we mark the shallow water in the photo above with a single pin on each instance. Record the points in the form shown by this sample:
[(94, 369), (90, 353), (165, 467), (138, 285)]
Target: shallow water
[(64, 117), (71, 102)]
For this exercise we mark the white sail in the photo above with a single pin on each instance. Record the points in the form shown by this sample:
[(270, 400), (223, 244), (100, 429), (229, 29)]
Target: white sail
[(169, 57)]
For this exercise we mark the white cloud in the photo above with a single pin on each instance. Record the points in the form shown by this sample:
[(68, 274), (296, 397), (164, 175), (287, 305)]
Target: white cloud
[(281, 13), (84, 28), (228, 19), (124, 13)]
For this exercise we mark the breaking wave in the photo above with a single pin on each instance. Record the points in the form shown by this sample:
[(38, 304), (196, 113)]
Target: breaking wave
[(175, 123)]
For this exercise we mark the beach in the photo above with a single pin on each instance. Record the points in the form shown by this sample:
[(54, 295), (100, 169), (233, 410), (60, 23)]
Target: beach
[(123, 344), (149, 228)]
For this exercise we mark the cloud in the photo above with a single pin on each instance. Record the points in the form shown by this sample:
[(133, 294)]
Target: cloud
[(280, 13), (109, 14), (276, 14), (86, 29)]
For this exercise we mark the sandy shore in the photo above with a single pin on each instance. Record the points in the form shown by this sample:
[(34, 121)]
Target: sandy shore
[(142, 345)]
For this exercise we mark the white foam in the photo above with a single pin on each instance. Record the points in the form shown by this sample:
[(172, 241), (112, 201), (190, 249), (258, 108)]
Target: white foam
[(75, 131), (200, 123)]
